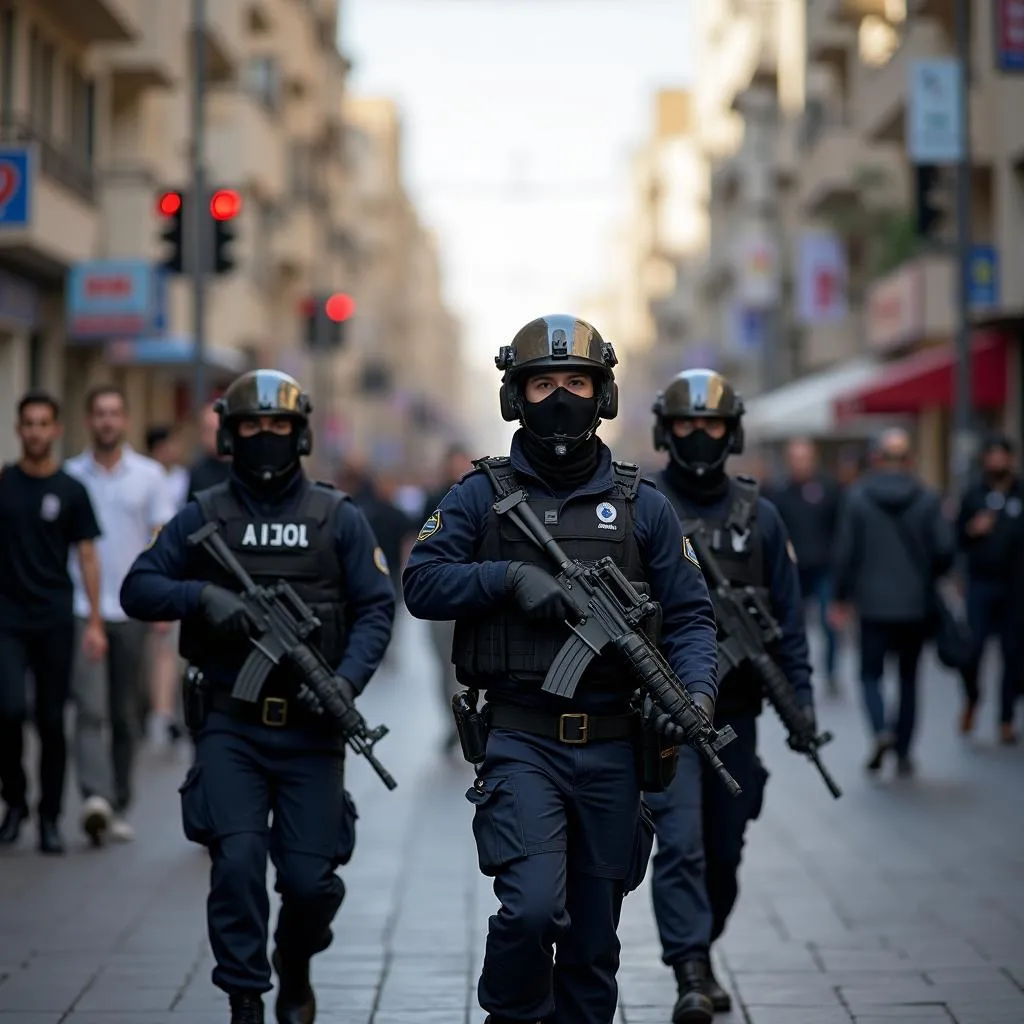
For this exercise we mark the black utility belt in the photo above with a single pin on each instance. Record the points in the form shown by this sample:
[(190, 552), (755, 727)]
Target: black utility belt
[(273, 712), (573, 729)]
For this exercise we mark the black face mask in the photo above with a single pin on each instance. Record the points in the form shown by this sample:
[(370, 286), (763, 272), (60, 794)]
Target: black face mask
[(562, 420), (699, 453), (266, 459)]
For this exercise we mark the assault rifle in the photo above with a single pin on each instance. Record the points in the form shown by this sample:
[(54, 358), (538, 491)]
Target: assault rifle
[(610, 612), (748, 628), (281, 625)]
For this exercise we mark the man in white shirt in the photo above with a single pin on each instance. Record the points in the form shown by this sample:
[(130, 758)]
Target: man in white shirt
[(132, 501)]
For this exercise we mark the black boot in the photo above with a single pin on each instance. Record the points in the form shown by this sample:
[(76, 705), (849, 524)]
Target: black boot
[(720, 999), (246, 1008), (693, 1005), (50, 841), (296, 1002), (10, 827)]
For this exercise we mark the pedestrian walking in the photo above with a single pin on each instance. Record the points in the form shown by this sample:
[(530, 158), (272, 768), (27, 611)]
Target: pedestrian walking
[(893, 545), (132, 501), (271, 757), (557, 817), (700, 826), (44, 513)]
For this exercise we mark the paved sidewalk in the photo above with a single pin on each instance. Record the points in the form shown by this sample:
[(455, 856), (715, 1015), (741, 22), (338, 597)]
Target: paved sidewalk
[(902, 901)]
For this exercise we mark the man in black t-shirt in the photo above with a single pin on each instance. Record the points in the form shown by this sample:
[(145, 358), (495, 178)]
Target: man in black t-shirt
[(43, 511), (210, 469)]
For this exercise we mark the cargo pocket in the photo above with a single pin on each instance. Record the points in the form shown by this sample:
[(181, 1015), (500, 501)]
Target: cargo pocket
[(643, 844), (347, 831), (196, 820), (497, 825), (761, 775)]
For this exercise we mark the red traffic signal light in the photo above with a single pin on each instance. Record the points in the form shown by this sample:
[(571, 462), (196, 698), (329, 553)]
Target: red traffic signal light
[(339, 307), (169, 204), (225, 204)]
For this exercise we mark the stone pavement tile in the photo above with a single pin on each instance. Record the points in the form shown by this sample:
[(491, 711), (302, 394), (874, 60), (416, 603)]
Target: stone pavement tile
[(20, 1017), (91, 1017), (994, 990), (31, 992), (796, 1015), (862, 960), (773, 989), (982, 975), (985, 1013), (884, 991), (789, 957), (936, 1016), (897, 1013), (123, 998)]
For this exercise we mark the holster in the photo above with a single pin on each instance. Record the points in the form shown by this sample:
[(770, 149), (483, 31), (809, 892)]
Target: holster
[(471, 725), (657, 760), (195, 699)]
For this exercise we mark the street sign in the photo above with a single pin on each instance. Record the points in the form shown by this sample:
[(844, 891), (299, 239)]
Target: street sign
[(983, 277), (1009, 34), (17, 177), (115, 298), (934, 128), (820, 278)]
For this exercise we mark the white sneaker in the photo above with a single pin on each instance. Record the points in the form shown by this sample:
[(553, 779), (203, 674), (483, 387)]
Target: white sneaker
[(96, 818), (121, 831)]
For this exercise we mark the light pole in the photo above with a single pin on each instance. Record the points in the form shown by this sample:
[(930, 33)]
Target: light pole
[(197, 207)]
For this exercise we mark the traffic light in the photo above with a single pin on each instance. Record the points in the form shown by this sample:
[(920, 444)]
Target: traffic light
[(325, 318), (171, 206), (225, 206), (929, 202)]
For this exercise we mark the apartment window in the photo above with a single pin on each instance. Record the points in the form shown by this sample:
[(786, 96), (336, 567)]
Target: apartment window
[(7, 51), (42, 62), (301, 169), (36, 360), (81, 106), (263, 81)]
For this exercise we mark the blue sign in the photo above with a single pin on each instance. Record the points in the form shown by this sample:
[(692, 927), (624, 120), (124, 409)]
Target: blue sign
[(934, 125), (115, 299), (983, 277), (1009, 34), (749, 329), (17, 174)]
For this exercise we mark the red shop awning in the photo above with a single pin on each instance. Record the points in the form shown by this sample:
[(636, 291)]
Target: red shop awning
[(926, 380)]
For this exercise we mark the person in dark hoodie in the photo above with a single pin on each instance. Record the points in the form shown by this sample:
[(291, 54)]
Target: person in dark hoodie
[(893, 544), (808, 502), (987, 524)]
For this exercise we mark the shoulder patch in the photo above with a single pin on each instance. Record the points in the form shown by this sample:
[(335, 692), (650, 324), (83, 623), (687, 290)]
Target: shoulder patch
[(380, 561), (431, 526), (689, 553), (791, 551), (152, 540)]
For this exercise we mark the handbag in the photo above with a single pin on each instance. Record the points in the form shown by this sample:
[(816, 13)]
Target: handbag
[(954, 645)]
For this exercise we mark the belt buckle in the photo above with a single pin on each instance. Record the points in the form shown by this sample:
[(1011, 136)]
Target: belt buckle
[(275, 712), (581, 722)]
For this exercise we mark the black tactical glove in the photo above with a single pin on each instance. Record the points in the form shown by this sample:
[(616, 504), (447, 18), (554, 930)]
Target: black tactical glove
[(656, 718), (224, 610), (799, 742), (537, 593), (350, 722)]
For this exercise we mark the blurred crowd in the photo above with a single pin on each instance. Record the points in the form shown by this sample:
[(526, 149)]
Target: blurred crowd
[(875, 547)]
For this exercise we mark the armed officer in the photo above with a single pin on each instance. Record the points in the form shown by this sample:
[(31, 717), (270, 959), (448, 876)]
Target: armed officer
[(700, 827), (557, 818), (274, 755)]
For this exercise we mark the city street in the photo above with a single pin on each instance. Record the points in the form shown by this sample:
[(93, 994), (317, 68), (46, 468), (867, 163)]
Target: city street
[(901, 902)]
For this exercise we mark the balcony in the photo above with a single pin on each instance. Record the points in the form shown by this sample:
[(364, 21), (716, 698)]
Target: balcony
[(151, 59), (829, 171), (830, 40), (246, 146), (880, 93), (94, 21), (64, 221), (295, 243)]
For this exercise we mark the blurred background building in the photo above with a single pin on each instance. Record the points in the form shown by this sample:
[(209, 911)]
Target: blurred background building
[(95, 101), (820, 272)]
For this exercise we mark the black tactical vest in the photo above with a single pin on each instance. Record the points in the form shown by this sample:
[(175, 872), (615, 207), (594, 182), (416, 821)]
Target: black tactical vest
[(298, 547), (737, 543), (502, 642)]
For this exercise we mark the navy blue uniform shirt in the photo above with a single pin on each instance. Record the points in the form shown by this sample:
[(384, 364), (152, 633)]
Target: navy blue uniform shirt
[(783, 583), (157, 590), (443, 581)]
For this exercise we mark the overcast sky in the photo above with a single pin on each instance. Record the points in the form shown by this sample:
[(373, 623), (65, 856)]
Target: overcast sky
[(520, 118)]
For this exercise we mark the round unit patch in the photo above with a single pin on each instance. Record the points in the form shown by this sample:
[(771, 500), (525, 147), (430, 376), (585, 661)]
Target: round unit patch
[(380, 561), (607, 512)]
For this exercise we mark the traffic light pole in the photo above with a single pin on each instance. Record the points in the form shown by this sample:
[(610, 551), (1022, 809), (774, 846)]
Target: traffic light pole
[(197, 211), (962, 450)]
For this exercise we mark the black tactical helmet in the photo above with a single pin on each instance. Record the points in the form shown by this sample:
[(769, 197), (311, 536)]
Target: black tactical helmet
[(263, 393), (558, 342), (698, 394)]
